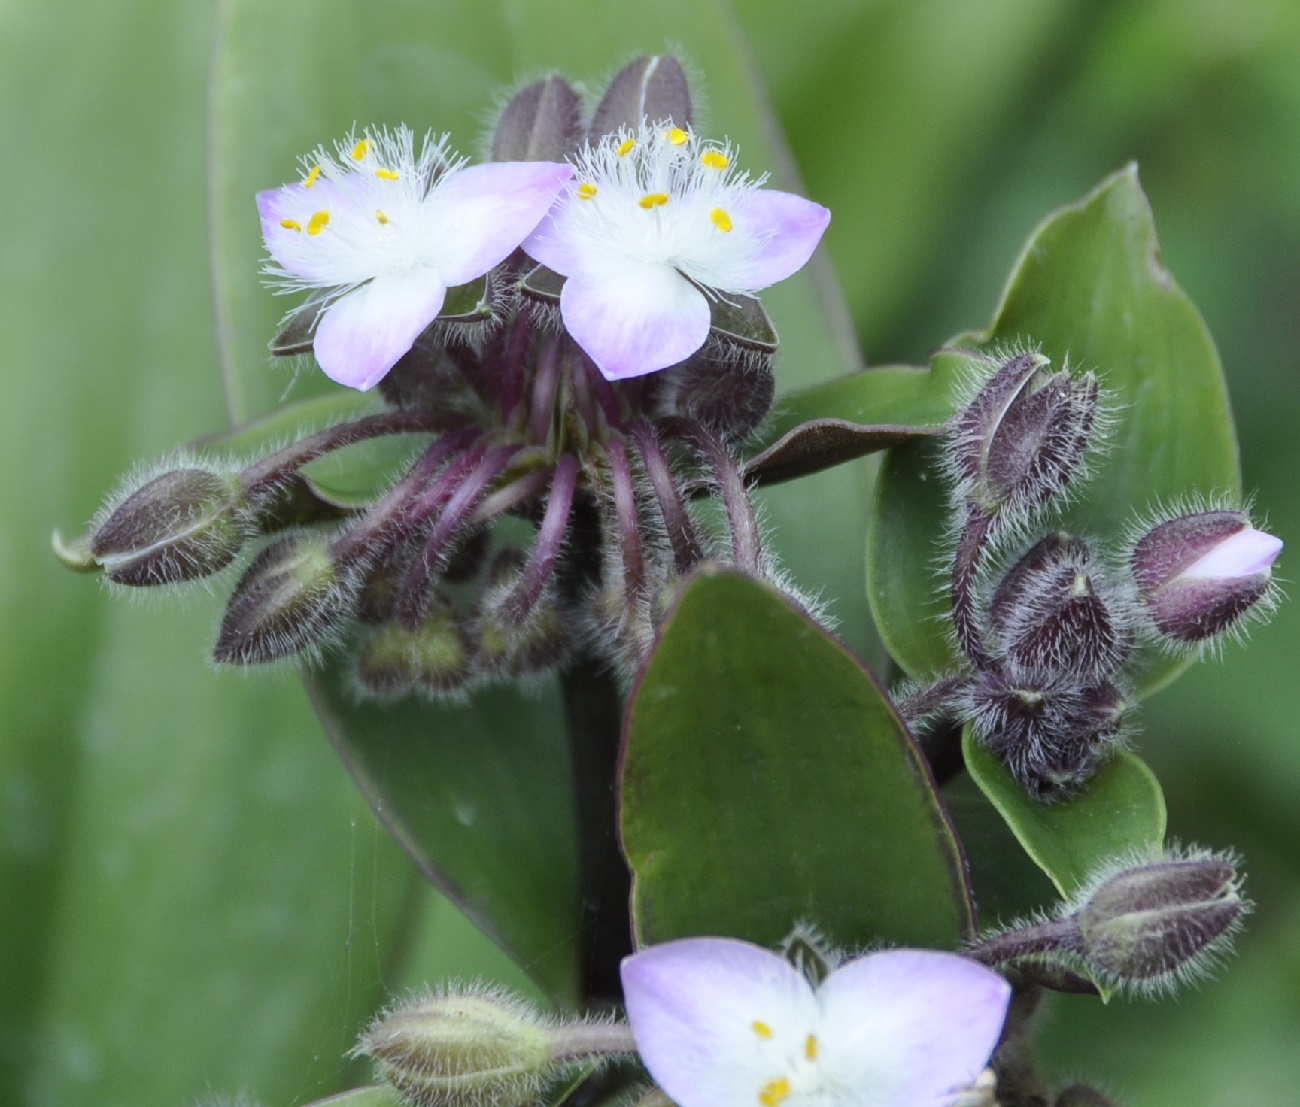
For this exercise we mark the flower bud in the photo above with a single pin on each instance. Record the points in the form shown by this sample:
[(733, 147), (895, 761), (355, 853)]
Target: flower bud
[(510, 645), (1148, 925), (728, 390), (461, 1050), (292, 597), (434, 656), (1198, 574), (1082, 1095), (542, 122), (1024, 436), (1051, 731), (182, 525), (649, 88), (1053, 610)]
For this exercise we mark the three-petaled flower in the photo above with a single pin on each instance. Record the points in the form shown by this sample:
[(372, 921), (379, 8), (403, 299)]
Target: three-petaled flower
[(722, 1023), (386, 232), (654, 224)]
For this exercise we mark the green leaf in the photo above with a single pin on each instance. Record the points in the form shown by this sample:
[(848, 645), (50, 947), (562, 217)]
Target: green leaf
[(480, 796), (767, 780), (828, 424), (375, 1096), (1121, 810), (359, 474), (1089, 290), (256, 437)]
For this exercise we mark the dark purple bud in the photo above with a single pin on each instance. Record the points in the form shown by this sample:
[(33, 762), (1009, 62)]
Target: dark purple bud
[(1197, 575), (1149, 925), (292, 597), (1025, 435), (727, 389), (182, 525), (1051, 731), (542, 122), (1082, 1095), (434, 656), (1053, 611), (510, 642), (649, 88)]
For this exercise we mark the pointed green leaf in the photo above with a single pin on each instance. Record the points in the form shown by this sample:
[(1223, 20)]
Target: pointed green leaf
[(375, 1096), (767, 780), (1122, 810), (1089, 290), (480, 796)]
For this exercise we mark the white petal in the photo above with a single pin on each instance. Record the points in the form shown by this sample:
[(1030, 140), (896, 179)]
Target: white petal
[(362, 335), (634, 318), (480, 215), (905, 1028), (693, 1005)]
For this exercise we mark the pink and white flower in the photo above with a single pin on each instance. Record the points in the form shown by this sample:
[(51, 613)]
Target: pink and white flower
[(386, 232), (722, 1023), (654, 224)]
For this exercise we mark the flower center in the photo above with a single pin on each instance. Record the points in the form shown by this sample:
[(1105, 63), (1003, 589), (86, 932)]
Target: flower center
[(795, 1060)]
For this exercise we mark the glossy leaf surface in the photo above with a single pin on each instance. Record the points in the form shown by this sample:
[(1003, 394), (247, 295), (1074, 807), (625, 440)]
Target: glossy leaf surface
[(767, 780), (1121, 811), (1089, 291)]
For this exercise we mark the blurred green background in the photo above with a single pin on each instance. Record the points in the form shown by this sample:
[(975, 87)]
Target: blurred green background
[(193, 900)]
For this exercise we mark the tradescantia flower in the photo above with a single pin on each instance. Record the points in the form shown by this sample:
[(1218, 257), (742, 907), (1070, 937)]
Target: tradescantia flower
[(722, 1023), (654, 224), (386, 232)]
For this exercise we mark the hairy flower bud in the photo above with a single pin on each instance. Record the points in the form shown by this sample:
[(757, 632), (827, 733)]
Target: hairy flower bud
[(1024, 435), (1082, 1095), (183, 525), (1198, 575), (647, 88), (542, 122), (1051, 730), (513, 643), (292, 597), (1053, 609), (1150, 924), (726, 389), (460, 1050), (434, 657)]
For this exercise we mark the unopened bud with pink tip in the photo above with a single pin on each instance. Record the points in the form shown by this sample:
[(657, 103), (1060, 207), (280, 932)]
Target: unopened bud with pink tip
[(1199, 574)]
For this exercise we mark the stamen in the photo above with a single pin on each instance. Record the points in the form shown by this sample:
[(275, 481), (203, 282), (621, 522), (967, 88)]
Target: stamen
[(291, 224), (720, 219), (625, 147), (317, 222), (761, 1029), (586, 190), (653, 200), (381, 216), (714, 159), (387, 174), (361, 149), (677, 136), (810, 1047), (774, 1091), (310, 179)]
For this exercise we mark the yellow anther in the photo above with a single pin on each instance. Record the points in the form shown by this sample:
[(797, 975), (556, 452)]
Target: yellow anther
[(774, 1091), (677, 136), (381, 216), (586, 190), (714, 159), (810, 1047), (624, 148), (720, 219), (761, 1029), (387, 174), (361, 149), (310, 179), (317, 222), (653, 200), (291, 224)]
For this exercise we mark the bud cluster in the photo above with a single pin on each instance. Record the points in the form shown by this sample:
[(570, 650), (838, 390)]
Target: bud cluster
[(1047, 634), (551, 510), (1142, 926)]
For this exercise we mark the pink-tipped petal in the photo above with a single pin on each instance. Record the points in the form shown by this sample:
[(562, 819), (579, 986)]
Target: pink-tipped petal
[(911, 1026), (553, 244), (1243, 554), (362, 335), (692, 1005), (636, 319), (485, 211), (789, 228)]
